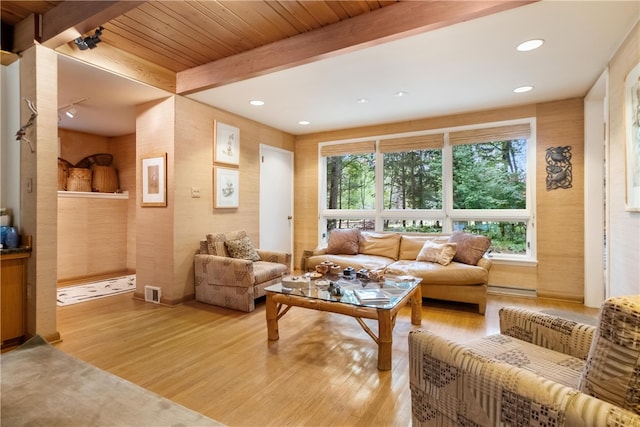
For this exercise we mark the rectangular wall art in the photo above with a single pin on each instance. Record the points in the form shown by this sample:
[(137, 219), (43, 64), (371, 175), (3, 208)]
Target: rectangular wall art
[(226, 147), (227, 187), (632, 148), (154, 180)]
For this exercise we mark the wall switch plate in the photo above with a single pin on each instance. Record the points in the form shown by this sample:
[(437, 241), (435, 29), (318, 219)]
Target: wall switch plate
[(195, 192)]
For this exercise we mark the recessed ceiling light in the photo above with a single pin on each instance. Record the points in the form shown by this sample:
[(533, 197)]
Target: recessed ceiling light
[(400, 94), (362, 100), (256, 102), (523, 89), (530, 45), (304, 122)]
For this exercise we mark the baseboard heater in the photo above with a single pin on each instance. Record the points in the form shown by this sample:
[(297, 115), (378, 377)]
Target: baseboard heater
[(152, 294), (503, 290)]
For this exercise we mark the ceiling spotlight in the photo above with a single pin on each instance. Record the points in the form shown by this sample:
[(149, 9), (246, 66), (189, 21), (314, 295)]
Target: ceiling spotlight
[(71, 112), (530, 45), (523, 89), (89, 42)]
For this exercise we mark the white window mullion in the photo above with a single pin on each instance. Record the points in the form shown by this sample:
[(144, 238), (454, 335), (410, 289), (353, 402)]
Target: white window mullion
[(447, 184)]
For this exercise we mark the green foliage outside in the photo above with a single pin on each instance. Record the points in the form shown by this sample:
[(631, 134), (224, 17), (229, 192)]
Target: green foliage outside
[(485, 176)]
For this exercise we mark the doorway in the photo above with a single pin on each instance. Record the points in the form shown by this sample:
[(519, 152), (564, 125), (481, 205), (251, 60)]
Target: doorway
[(276, 199)]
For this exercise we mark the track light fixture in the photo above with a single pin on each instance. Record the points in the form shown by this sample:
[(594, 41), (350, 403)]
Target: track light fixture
[(89, 42), (70, 109), (71, 112)]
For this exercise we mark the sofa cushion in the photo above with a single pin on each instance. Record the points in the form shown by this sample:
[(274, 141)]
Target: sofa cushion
[(470, 248), (344, 241), (442, 253), (381, 244), (410, 245), (612, 372), (550, 364), (454, 274), (242, 248), (265, 271)]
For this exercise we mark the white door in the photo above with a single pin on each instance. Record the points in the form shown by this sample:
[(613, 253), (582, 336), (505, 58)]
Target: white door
[(276, 199)]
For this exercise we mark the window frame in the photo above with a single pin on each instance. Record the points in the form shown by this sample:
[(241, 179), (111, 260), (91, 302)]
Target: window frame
[(447, 214)]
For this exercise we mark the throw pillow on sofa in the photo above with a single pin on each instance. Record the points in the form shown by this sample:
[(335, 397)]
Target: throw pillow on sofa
[(380, 244), (242, 248), (344, 241), (442, 253), (470, 247)]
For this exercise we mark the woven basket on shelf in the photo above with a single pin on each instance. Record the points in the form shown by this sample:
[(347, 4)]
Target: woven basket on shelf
[(79, 179), (63, 173), (105, 179)]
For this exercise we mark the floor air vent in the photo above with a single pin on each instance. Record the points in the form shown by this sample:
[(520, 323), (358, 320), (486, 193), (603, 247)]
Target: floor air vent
[(152, 294)]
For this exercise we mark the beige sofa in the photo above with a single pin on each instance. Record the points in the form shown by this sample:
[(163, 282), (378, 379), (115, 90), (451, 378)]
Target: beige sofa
[(398, 253), (230, 273), (541, 370)]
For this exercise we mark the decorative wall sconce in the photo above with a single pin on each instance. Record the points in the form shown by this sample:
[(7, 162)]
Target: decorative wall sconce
[(559, 169)]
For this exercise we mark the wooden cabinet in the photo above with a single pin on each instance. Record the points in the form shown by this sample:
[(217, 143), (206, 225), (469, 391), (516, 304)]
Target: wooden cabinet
[(13, 298)]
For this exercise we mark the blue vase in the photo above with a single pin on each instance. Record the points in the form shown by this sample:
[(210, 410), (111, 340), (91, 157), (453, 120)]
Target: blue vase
[(3, 234), (13, 238)]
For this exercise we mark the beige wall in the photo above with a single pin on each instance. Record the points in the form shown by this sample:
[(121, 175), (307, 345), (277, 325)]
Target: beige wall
[(560, 212), (97, 236), (168, 237), (624, 227)]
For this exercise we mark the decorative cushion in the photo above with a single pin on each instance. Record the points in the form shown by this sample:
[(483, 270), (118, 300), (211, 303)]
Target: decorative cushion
[(442, 253), (215, 241), (470, 248), (344, 241), (380, 244), (242, 248), (612, 372)]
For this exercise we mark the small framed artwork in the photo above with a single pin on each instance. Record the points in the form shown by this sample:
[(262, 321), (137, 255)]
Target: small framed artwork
[(226, 186), (226, 147), (632, 147), (154, 180)]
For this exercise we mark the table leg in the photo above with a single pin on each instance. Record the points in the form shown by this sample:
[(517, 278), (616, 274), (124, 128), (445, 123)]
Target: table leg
[(385, 339), (271, 310), (416, 306)]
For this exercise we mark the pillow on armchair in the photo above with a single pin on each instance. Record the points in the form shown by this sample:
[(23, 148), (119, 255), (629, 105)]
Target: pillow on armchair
[(242, 248)]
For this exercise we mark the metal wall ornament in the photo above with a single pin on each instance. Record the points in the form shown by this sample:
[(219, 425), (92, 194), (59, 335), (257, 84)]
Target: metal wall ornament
[(559, 169)]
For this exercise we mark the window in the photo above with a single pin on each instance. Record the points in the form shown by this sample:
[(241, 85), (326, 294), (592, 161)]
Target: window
[(478, 180)]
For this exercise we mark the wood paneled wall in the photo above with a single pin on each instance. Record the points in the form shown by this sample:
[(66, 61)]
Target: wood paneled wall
[(560, 217), (75, 146), (123, 149)]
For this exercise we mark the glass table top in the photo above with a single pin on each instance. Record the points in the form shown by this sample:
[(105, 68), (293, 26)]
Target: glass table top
[(355, 291)]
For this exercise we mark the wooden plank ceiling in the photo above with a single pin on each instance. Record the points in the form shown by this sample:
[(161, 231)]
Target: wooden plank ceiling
[(179, 35), (186, 46)]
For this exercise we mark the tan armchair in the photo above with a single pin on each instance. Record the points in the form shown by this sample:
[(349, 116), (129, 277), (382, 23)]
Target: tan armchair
[(541, 370), (235, 282)]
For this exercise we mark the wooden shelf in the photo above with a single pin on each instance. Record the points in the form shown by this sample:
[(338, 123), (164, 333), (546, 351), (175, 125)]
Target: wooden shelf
[(94, 195)]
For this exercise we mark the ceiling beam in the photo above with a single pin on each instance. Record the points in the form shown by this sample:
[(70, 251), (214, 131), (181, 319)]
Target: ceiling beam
[(389, 23), (70, 19)]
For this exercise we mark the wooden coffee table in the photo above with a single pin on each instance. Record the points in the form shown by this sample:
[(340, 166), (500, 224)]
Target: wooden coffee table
[(400, 290)]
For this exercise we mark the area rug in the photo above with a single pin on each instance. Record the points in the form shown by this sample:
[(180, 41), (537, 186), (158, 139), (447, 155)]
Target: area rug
[(88, 291), (43, 386)]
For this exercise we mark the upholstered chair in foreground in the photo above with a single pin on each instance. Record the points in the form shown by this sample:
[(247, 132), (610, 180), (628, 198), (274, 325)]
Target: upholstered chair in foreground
[(541, 370)]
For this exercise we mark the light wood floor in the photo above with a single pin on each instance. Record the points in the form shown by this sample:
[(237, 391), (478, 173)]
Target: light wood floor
[(219, 362)]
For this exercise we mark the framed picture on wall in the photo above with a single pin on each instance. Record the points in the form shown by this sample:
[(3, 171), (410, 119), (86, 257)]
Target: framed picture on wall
[(226, 184), (226, 146), (154, 180), (632, 146)]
